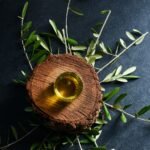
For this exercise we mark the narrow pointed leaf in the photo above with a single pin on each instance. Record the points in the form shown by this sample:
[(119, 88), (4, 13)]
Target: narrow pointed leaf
[(120, 98), (104, 12), (118, 71), (122, 80), (72, 41), (143, 111), (108, 116), (127, 106), (123, 118), (129, 70), (25, 9), (122, 43), (76, 11), (110, 94), (139, 41), (130, 36), (52, 23), (137, 31), (42, 43), (14, 132), (79, 48)]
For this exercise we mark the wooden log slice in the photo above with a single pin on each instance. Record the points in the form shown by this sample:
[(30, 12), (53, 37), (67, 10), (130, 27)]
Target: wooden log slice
[(77, 115)]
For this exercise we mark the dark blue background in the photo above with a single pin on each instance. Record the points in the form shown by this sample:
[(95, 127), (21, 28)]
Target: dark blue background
[(126, 14)]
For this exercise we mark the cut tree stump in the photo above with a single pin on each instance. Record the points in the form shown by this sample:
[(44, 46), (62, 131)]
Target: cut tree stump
[(77, 115)]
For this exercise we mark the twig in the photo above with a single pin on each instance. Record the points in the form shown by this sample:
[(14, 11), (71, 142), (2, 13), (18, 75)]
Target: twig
[(18, 140), (126, 113), (102, 28), (66, 23), (111, 61), (23, 45), (77, 137), (63, 31)]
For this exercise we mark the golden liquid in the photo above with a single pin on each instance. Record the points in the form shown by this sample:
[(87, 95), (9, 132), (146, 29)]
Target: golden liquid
[(68, 86)]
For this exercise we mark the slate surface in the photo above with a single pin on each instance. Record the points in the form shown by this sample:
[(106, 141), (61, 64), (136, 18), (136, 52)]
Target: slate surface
[(126, 15)]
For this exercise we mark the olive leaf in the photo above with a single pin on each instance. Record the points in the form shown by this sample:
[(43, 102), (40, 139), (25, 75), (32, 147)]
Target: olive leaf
[(24, 9), (143, 110), (76, 11), (122, 43), (42, 43), (130, 36), (72, 41), (78, 48), (123, 118), (108, 96), (116, 75), (120, 98), (107, 113), (14, 132)]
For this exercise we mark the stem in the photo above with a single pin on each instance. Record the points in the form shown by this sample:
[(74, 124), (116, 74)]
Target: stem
[(63, 31), (126, 113), (23, 45), (66, 23), (77, 137), (18, 140), (111, 61), (102, 28)]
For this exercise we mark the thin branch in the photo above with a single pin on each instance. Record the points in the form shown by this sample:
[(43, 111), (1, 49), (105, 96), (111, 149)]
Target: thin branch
[(20, 139), (115, 58), (63, 31), (23, 45), (126, 113), (77, 137), (66, 23), (102, 28)]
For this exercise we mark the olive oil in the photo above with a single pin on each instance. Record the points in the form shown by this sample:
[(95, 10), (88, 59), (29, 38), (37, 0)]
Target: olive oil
[(68, 86)]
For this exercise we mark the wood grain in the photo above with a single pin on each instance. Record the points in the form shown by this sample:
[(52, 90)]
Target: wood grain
[(74, 116)]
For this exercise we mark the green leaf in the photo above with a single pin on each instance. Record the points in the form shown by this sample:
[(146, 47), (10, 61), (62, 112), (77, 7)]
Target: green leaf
[(35, 146), (110, 94), (24, 11), (104, 12), (23, 73), (27, 26), (127, 106), (108, 116), (129, 70), (122, 80), (143, 111), (137, 32), (42, 59), (91, 50), (122, 43), (42, 43), (21, 82), (130, 36), (109, 76), (38, 55), (95, 35), (30, 39), (118, 71), (76, 11), (102, 46), (52, 23), (14, 132), (71, 41), (131, 77), (99, 148), (120, 98), (123, 118), (139, 41), (78, 54), (78, 48), (28, 109)]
